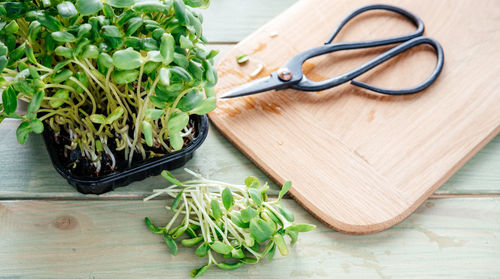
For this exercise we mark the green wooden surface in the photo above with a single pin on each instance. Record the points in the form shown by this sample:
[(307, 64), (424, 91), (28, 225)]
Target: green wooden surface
[(454, 238), (231, 21)]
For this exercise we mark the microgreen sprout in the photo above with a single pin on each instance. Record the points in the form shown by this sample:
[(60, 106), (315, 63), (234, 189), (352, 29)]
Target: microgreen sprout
[(108, 76), (242, 58), (257, 71), (229, 224)]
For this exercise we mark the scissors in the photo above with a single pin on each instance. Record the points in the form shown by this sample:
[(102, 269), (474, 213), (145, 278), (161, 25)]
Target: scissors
[(291, 76)]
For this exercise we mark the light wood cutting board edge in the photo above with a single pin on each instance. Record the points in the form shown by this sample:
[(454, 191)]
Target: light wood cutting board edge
[(333, 223)]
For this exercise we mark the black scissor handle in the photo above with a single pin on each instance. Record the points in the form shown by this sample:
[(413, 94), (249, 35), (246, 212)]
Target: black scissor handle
[(379, 42), (301, 82)]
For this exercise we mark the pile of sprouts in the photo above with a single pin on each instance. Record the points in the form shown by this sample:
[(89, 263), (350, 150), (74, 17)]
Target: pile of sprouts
[(231, 225), (107, 77)]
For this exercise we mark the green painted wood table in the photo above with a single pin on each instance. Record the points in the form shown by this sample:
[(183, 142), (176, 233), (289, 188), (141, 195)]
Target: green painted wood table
[(48, 230)]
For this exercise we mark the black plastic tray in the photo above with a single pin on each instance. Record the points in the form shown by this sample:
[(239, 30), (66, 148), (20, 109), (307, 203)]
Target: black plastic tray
[(140, 171)]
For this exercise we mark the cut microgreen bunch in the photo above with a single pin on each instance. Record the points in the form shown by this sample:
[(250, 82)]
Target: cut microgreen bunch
[(108, 76), (230, 224)]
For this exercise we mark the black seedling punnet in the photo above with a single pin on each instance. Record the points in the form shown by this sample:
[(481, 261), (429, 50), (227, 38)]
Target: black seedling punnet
[(139, 171)]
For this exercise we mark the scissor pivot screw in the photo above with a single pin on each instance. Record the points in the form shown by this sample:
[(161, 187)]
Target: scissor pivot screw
[(285, 74)]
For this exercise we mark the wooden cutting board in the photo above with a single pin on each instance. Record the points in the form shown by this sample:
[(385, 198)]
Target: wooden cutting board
[(359, 161)]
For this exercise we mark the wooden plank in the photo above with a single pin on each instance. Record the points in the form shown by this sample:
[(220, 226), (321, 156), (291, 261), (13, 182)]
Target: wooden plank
[(362, 161), (27, 171), (455, 238), (231, 21)]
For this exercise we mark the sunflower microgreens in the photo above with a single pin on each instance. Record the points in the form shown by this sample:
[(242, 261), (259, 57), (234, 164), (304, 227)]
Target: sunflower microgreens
[(111, 75), (236, 222)]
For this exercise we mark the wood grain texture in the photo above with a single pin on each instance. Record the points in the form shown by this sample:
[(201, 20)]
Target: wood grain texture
[(456, 238), (363, 162), (217, 158)]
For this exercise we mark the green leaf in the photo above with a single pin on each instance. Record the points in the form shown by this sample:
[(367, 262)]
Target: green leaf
[(216, 211), (63, 37), (199, 271), (14, 9), (97, 118), (115, 115), (106, 60), (238, 221), (238, 254), (286, 186), (149, 6), (226, 266), (180, 12), (172, 246), (165, 76), (23, 132), (65, 52), (286, 213), (88, 7), (177, 122), (167, 48), (177, 201), (123, 77), (60, 97), (256, 196), (210, 73), (293, 236), (252, 182), (67, 9), (127, 59), (181, 60), (4, 50), (176, 141), (36, 102), (181, 73), (250, 260), (301, 228), (190, 100), (227, 198), (272, 251), (280, 242), (9, 100), (206, 106), (120, 3), (11, 27), (28, 50), (36, 126), (185, 42), (83, 30), (221, 247), (198, 3), (248, 214), (191, 242), (212, 54), (133, 25), (111, 31), (149, 44), (62, 76), (154, 114), (202, 250), (147, 130), (91, 52), (260, 230), (152, 227), (3, 63), (168, 176)]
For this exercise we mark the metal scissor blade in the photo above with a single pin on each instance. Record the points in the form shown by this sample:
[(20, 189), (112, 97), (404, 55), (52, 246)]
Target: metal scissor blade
[(254, 87)]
